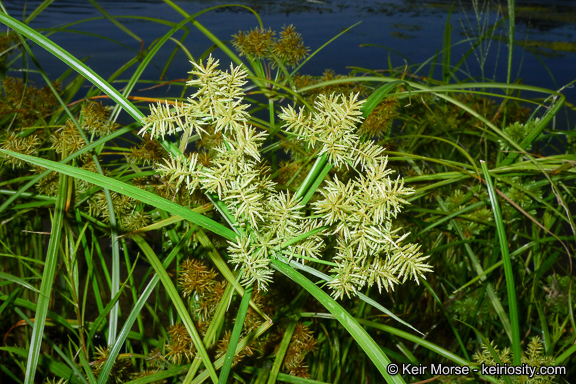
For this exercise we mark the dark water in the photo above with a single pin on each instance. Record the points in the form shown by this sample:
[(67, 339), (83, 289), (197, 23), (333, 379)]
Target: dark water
[(407, 31)]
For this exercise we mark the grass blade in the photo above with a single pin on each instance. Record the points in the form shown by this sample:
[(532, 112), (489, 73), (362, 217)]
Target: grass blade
[(115, 349), (38, 10), (9, 277), (510, 285), (131, 191), (367, 343), (72, 62), (178, 303), (405, 335), (284, 344), (361, 296), (235, 337), (378, 95), (511, 28), (446, 52), (47, 279), (84, 150), (116, 22)]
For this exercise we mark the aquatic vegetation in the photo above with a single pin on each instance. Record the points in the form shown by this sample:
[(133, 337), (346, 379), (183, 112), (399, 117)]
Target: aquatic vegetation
[(276, 226), (369, 251), (533, 357)]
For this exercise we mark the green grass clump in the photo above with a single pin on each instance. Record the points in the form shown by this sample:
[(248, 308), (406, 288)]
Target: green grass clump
[(150, 252)]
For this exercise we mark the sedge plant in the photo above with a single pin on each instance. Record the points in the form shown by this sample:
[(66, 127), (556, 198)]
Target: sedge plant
[(238, 184), (358, 212), (216, 199)]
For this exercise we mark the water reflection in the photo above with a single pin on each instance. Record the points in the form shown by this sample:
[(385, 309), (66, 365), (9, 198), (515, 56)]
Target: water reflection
[(413, 28)]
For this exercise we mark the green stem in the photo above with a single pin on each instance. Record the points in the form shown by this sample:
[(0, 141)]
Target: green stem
[(510, 286), (235, 337)]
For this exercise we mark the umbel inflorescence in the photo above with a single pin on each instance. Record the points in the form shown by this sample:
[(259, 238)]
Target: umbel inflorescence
[(355, 215)]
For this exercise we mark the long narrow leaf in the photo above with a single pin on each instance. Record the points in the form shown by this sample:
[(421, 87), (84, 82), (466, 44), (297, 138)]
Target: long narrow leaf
[(47, 280), (82, 151), (283, 347), (8, 277), (135, 313), (367, 343), (178, 303), (235, 336), (510, 285), (129, 190), (361, 296), (71, 61)]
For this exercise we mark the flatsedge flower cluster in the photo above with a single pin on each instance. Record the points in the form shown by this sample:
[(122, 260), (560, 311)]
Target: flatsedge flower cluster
[(260, 43), (358, 212), (533, 356)]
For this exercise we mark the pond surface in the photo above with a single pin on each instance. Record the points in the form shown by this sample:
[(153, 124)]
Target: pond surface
[(391, 32)]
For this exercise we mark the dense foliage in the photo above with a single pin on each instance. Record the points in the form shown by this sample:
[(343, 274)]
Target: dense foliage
[(265, 236)]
